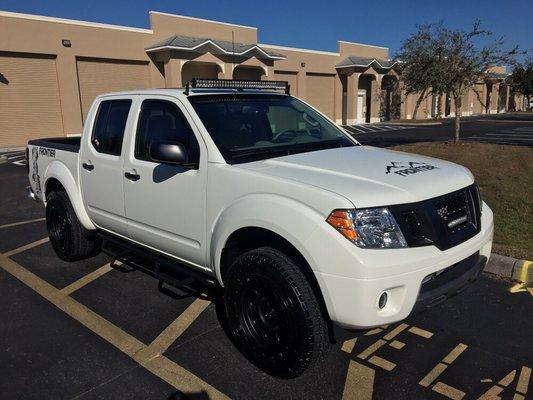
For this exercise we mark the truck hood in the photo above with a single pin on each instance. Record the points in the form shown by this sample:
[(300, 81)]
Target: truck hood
[(369, 176)]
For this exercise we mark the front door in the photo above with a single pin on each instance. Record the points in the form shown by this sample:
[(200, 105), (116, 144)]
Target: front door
[(165, 204), (360, 106), (101, 169)]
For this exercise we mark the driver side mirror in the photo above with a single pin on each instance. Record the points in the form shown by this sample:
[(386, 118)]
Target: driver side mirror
[(169, 153)]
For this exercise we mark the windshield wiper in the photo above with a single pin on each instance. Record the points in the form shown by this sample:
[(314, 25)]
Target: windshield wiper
[(262, 151)]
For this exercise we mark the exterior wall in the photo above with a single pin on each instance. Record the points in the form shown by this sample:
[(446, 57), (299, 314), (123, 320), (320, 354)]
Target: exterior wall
[(44, 37), (100, 75), (362, 50), (166, 25), (52, 85), (30, 102)]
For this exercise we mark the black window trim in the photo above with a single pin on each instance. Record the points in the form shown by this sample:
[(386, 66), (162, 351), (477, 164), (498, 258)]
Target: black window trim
[(95, 120), (190, 166)]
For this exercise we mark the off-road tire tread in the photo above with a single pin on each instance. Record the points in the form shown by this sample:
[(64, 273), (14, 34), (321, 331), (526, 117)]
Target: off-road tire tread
[(320, 343), (84, 245)]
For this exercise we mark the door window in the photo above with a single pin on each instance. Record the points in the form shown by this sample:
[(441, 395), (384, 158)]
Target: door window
[(162, 121), (108, 130)]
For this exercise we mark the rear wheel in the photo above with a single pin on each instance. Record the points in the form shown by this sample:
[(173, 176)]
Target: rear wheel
[(272, 314), (70, 240)]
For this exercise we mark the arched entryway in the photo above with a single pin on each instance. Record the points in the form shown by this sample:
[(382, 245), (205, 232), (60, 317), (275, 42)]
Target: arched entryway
[(198, 69), (390, 98), (249, 73)]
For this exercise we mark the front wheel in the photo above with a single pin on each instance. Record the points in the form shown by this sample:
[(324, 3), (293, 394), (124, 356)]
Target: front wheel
[(70, 240), (272, 314)]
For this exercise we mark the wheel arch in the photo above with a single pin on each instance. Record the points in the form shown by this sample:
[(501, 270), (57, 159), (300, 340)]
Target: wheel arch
[(252, 237), (59, 178)]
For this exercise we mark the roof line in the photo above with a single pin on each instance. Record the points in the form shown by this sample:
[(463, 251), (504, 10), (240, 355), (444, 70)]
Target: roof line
[(329, 53), (374, 60), (72, 22), (170, 47), (201, 19), (362, 44)]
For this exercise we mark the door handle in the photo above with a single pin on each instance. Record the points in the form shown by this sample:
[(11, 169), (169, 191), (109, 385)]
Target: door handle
[(132, 177), (88, 166)]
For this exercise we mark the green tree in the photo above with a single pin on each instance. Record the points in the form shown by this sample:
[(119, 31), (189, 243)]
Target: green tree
[(521, 80), (453, 60)]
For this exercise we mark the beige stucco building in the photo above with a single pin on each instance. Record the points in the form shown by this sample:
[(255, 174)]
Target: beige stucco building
[(51, 69)]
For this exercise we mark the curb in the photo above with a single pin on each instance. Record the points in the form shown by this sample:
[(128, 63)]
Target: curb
[(510, 268)]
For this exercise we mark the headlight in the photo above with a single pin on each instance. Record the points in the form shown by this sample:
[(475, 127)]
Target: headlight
[(373, 228)]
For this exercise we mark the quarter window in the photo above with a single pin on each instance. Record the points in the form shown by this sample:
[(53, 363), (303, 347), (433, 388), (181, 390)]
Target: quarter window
[(108, 130), (162, 121)]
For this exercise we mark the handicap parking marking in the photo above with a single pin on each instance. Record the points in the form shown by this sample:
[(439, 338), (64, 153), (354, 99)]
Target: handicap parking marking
[(148, 356), (361, 373)]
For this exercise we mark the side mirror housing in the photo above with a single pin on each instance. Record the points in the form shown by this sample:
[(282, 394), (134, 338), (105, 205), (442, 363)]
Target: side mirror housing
[(169, 153)]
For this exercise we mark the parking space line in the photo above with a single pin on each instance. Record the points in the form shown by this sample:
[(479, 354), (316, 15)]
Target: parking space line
[(396, 344), (382, 363), (456, 352), (348, 345), (371, 349), (169, 371), (359, 382), (395, 332), (523, 380), (441, 387), (68, 290), (420, 332), (22, 223), (25, 247), (448, 391), (172, 332), (433, 374)]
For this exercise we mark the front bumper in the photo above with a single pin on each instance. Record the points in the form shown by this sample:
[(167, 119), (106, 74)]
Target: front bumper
[(352, 279), (448, 283)]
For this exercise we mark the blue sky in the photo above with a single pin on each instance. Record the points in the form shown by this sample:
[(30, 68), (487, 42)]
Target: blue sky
[(309, 24)]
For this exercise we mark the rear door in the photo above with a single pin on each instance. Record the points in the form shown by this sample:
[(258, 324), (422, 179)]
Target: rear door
[(165, 204), (101, 169)]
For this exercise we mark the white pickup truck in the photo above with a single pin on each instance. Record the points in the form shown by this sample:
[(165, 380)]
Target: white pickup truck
[(240, 187)]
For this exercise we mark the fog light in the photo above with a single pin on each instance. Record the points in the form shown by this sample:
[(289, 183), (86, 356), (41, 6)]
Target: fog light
[(382, 301)]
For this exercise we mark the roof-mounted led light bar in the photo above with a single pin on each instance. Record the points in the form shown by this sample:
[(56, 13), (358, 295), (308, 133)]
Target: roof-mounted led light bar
[(238, 85)]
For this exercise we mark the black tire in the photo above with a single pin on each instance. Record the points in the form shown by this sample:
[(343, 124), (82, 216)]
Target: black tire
[(70, 240), (272, 315)]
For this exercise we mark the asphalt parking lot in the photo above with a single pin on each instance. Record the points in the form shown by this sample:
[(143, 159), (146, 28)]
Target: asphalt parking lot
[(90, 331), (511, 128)]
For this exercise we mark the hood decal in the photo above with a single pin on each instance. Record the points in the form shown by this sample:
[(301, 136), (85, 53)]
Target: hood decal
[(403, 168)]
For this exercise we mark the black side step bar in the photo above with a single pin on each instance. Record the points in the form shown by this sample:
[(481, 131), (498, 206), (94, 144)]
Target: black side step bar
[(176, 280)]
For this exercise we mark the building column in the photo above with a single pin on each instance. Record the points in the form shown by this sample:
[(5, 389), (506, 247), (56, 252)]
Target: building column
[(340, 93), (375, 98), (173, 73), (494, 96), (352, 87), (507, 97)]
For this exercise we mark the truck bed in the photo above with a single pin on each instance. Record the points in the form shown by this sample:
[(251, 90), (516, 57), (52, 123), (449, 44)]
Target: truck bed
[(60, 143)]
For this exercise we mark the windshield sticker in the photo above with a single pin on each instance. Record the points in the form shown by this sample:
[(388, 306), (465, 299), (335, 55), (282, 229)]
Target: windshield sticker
[(408, 168)]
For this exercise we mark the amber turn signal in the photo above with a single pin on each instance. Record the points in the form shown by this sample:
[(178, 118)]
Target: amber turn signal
[(342, 221)]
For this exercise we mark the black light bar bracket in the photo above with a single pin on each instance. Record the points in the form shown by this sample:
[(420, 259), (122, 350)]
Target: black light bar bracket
[(239, 85)]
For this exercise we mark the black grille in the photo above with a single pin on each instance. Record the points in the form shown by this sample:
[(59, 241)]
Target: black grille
[(444, 221)]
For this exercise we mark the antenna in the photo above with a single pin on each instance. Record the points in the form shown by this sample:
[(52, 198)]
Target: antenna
[(233, 50)]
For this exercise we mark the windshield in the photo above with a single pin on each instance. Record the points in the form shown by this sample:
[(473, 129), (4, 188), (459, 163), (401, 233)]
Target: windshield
[(247, 127)]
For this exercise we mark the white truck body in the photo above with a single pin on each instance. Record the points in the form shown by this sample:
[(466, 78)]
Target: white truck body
[(190, 214)]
